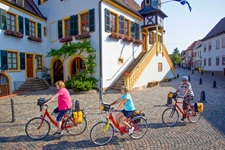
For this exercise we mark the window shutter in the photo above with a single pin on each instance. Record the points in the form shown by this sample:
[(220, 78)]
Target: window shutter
[(132, 29), (92, 20), (107, 20), (4, 60), (76, 30), (121, 18), (60, 29), (39, 30), (27, 26), (22, 61), (20, 20), (137, 36), (2, 19), (39, 2), (72, 25)]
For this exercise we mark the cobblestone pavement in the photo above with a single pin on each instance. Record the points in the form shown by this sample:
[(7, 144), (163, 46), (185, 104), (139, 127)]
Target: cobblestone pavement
[(207, 134)]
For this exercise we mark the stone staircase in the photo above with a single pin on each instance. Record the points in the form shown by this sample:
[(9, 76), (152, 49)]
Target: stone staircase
[(33, 84), (120, 82)]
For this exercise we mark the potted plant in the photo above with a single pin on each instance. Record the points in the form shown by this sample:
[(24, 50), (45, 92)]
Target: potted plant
[(137, 41), (127, 38), (84, 35), (14, 33), (46, 74), (34, 38), (65, 39), (116, 35)]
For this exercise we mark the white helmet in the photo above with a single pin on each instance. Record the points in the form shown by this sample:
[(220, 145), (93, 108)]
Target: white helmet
[(184, 78)]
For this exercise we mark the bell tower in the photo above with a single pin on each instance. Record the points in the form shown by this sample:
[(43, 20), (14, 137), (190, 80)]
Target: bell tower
[(153, 22)]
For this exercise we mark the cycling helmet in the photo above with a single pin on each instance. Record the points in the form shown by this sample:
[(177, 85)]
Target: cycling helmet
[(184, 78)]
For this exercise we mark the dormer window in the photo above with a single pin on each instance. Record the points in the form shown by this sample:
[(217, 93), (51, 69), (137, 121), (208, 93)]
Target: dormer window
[(20, 2), (147, 2)]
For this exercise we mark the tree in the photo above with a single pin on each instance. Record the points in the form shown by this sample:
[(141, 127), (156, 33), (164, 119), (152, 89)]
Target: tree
[(176, 57)]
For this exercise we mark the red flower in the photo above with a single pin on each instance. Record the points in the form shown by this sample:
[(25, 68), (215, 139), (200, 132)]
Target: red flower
[(82, 36), (126, 74), (34, 38), (65, 39), (14, 33)]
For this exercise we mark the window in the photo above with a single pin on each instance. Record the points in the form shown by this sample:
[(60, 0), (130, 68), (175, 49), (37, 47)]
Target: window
[(20, 2), (31, 28), (160, 67), (147, 2), (67, 27), (150, 38), (209, 46), (126, 27), (223, 60), (223, 42), (113, 22), (209, 62), (217, 43), (204, 62), (45, 32), (39, 61), (12, 60), (84, 22), (205, 47), (217, 61), (11, 22)]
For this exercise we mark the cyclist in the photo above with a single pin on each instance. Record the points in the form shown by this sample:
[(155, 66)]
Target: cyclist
[(125, 101), (188, 94), (64, 103)]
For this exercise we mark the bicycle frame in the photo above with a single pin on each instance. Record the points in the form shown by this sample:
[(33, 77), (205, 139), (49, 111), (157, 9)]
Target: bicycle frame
[(176, 105)]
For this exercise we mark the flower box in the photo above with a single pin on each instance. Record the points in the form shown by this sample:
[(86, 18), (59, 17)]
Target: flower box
[(14, 33), (116, 35), (127, 38), (137, 41), (84, 35), (65, 39), (34, 38)]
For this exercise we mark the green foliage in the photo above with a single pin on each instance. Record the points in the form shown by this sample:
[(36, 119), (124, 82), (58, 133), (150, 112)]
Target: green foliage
[(176, 57), (82, 82)]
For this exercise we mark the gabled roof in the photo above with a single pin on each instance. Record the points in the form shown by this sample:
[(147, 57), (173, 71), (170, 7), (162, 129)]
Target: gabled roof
[(130, 5), (191, 47), (198, 44), (217, 30), (29, 6), (149, 10)]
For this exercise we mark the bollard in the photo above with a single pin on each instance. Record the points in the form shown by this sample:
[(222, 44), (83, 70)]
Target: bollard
[(212, 73), (202, 72), (177, 75), (193, 71), (12, 107), (202, 97), (214, 84), (200, 81), (189, 78)]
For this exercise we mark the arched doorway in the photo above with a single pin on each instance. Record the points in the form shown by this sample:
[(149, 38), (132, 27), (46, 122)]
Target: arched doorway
[(4, 85), (57, 71), (77, 66)]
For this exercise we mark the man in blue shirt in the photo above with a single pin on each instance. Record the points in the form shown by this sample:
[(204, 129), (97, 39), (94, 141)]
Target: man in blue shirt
[(125, 101)]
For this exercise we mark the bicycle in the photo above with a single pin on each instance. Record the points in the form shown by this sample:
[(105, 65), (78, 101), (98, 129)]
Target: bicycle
[(102, 132), (170, 116), (38, 127)]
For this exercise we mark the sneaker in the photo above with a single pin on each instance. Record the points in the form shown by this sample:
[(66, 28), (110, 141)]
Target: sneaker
[(182, 119), (57, 133), (131, 131)]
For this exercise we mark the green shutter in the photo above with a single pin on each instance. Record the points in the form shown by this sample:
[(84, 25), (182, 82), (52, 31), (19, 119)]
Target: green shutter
[(22, 61), (27, 26), (107, 20), (92, 20), (72, 25), (20, 20), (60, 29), (121, 23), (4, 60), (76, 30), (2, 19), (137, 36), (39, 30)]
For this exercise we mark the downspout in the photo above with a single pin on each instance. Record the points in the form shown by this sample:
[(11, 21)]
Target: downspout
[(100, 51)]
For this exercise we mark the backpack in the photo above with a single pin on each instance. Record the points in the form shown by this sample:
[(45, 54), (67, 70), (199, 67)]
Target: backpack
[(199, 107)]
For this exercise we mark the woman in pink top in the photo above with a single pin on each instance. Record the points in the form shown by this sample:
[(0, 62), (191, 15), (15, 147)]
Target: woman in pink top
[(64, 103)]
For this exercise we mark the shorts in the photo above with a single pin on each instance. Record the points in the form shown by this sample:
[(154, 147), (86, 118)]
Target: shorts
[(61, 113), (127, 114)]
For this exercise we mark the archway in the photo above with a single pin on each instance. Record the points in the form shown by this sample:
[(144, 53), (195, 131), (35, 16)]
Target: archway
[(4, 85), (77, 66), (57, 71)]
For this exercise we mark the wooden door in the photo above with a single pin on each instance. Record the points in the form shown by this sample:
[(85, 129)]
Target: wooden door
[(57, 71), (30, 66), (77, 66), (4, 85)]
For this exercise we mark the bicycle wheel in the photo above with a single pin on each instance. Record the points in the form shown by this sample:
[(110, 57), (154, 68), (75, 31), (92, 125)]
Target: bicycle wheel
[(37, 129), (100, 134), (170, 117), (140, 127), (75, 129), (193, 116)]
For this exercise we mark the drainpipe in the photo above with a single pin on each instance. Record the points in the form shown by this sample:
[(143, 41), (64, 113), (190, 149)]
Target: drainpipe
[(100, 50)]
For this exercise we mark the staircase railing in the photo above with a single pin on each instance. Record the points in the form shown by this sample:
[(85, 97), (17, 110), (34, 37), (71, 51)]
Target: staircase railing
[(131, 79)]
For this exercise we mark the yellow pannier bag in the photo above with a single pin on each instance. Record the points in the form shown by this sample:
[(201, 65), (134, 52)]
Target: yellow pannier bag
[(78, 116), (199, 107)]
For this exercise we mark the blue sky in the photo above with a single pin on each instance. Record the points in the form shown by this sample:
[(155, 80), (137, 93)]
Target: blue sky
[(184, 27)]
